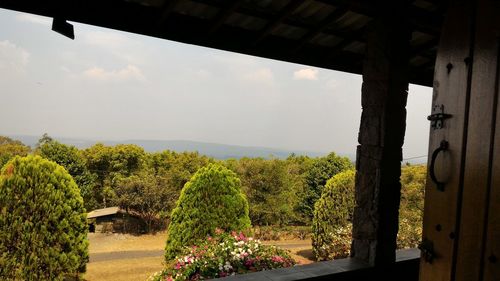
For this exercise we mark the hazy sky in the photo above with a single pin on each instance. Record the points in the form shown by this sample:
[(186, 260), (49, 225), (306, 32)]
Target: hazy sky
[(112, 85)]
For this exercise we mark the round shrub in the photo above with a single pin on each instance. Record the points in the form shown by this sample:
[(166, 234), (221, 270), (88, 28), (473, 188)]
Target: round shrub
[(43, 230), (211, 199), (331, 228)]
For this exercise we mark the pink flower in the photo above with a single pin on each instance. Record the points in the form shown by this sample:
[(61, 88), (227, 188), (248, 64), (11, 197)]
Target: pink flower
[(249, 262), (242, 237), (277, 259)]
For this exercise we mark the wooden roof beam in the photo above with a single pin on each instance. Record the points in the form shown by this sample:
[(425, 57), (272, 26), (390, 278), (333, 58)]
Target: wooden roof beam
[(166, 9), (266, 15), (291, 7), (421, 19), (223, 14), (334, 16), (422, 47)]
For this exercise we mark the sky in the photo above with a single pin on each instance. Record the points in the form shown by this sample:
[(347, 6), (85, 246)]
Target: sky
[(112, 85)]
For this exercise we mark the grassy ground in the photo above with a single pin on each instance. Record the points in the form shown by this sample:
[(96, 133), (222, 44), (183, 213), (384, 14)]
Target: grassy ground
[(123, 269), (117, 255)]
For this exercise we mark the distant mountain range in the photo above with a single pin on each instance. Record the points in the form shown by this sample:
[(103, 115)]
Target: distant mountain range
[(216, 150)]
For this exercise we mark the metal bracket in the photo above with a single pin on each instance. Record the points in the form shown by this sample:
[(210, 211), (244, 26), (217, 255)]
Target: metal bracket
[(438, 116), (427, 249)]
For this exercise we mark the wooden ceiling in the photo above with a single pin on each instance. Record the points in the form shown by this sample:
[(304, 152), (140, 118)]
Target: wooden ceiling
[(321, 33)]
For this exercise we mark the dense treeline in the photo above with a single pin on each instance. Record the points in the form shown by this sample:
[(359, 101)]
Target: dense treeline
[(279, 191)]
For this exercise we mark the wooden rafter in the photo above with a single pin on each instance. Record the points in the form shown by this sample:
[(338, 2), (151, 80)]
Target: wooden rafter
[(334, 16), (223, 14), (166, 10), (422, 19), (291, 7)]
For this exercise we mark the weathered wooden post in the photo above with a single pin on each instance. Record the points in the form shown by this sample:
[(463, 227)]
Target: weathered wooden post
[(381, 137)]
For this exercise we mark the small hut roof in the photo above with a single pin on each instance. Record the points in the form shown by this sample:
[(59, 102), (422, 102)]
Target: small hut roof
[(103, 212)]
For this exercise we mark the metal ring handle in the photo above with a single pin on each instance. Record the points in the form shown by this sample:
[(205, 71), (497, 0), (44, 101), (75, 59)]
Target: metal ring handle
[(442, 147)]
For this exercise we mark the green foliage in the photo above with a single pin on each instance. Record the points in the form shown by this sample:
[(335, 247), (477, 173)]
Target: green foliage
[(271, 187), (176, 168), (109, 164), (10, 148), (333, 212), (43, 230), (211, 199), (70, 158), (146, 196), (412, 206), (273, 232), (224, 255), (332, 217), (320, 171)]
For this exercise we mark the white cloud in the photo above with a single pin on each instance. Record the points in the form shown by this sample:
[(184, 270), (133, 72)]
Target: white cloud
[(34, 19), (12, 57), (262, 75), (130, 72), (105, 39), (331, 84), (306, 74), (117, 44)]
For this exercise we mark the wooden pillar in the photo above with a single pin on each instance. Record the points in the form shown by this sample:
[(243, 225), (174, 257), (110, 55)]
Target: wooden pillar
[(381, 137)]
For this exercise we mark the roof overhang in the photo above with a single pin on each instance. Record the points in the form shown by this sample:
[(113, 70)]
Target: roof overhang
[(322, 33)]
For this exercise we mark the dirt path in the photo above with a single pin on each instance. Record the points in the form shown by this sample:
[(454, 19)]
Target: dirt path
[(294, 244), (120, 255)]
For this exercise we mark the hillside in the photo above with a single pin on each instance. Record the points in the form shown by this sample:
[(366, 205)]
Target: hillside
[(216, 150)]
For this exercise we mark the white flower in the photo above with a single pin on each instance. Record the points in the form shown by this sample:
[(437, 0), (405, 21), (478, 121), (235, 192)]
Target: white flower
[(228, 266)]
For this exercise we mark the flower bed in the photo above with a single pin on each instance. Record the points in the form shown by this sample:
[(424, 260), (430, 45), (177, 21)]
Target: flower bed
[(223, 255)]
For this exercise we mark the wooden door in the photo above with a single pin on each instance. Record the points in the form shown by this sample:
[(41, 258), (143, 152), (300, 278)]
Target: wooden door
[(462, 217), (480, 210), (451, 92)]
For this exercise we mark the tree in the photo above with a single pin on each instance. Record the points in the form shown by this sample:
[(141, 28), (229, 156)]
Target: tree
[(332, 217), (43, 229), (10, 148), (110, 164), (412, 206), (44, 139), (177, 168), (211, 199), (320, 171), (271, 187), (70, 158), (145, 195)]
